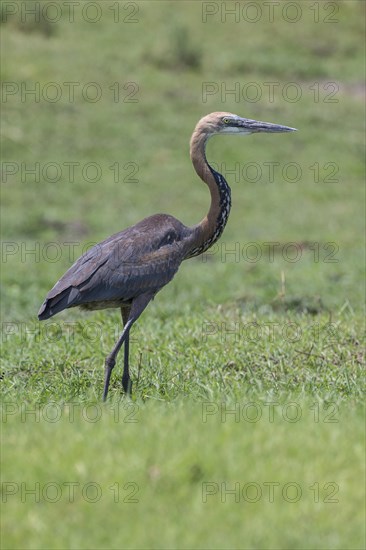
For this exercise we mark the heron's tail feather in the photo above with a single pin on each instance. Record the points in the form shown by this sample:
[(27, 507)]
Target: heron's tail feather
[(55, 304)]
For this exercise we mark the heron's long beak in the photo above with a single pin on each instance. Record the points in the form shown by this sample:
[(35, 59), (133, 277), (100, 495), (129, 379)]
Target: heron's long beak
[(259, 126)]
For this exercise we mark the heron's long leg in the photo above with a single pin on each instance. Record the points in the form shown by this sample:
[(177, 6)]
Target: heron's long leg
[(137, 307), (126, 380), (111, 358)]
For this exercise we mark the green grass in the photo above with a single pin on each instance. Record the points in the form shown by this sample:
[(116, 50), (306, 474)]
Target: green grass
[(176, 462), (228, 331)]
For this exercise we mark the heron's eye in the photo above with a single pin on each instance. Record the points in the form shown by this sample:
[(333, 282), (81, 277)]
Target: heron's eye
[(226, 120)]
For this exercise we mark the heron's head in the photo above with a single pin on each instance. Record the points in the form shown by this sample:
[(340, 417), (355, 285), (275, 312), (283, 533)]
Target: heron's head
[(228, 123)]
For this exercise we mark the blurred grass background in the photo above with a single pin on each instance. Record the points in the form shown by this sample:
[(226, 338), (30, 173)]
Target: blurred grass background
[(161, 58)]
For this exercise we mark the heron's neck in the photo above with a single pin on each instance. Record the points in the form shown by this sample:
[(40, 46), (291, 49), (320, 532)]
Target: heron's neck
[(209, 230)]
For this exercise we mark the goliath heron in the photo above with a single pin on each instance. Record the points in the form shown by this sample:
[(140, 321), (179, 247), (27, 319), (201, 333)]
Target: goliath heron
[(127, 269)]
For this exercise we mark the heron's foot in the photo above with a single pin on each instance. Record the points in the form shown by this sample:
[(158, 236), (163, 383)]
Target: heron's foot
[(127, 385)]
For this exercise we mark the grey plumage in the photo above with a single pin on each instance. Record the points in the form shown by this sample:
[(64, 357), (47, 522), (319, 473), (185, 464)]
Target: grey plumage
[(142, 258)]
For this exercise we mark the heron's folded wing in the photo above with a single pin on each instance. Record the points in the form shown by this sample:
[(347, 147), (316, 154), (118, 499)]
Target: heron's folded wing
[(119, 268)]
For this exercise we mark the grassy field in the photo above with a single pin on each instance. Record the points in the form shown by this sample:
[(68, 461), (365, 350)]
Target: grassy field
[(246, 428)]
